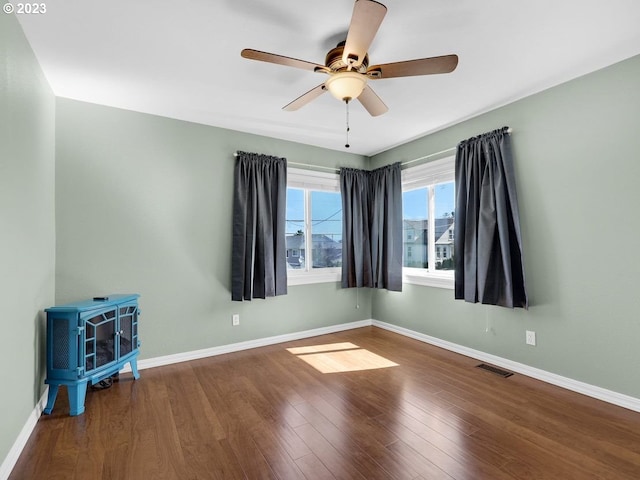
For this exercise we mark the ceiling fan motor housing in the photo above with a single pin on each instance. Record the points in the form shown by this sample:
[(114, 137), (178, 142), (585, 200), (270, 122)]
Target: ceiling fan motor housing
[(334, 60)]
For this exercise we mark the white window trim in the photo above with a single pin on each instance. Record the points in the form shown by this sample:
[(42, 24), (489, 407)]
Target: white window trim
[(319, 181), (300, 178), (295, 277), (431, 173)]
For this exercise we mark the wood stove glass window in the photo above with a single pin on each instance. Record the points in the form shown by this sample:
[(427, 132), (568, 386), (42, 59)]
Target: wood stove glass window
[(126, 329), (100, 333)]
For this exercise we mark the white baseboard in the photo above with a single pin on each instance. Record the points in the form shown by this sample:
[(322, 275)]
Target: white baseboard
[(599, 393), (13, 455), (236, 347)]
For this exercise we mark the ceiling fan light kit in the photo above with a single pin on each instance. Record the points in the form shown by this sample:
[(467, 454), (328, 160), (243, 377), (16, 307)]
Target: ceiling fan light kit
[(347, 85), (348, 63)]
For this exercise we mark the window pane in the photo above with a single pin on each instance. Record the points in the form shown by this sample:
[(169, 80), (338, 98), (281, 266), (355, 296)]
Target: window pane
[(415, 206), (445, 213), (295, 228), (326, 229)]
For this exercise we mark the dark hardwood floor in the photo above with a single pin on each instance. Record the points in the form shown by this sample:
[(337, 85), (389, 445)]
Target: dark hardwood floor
[(268, 413)]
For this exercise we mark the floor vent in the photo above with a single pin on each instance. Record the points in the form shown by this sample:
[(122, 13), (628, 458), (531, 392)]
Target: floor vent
[(496, 370)]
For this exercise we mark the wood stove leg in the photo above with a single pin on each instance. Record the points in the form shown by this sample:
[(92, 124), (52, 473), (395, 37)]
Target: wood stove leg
[(134, 368), (51, 398), (77, 394)]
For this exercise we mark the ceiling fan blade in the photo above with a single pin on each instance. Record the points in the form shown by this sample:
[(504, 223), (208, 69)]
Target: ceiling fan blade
[(372, 102), (365, 21), (282, 60), (303, 99), (422, 66)]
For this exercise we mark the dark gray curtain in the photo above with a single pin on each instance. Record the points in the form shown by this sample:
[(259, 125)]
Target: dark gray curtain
[(259, 267), (487, 244), (372, 227)]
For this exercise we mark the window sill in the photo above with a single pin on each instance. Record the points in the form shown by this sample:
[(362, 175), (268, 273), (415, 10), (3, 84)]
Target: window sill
[(429, 280), (425, 280), (306, 278)]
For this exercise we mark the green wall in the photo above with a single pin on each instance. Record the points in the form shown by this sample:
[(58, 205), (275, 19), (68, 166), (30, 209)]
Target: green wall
[(27, 227), (144, 204), (577, 161)]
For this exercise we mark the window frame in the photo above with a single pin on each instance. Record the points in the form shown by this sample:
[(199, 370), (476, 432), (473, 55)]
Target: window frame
[(309, 181), (428, 175)]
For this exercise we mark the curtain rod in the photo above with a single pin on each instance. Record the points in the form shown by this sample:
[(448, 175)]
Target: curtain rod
[(441, 152), (452, 149), (333, 169)]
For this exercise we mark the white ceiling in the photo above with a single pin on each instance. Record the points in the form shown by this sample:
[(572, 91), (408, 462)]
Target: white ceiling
[(181, 59)]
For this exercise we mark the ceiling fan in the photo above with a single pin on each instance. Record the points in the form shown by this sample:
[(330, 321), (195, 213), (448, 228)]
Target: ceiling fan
[(348, 63)]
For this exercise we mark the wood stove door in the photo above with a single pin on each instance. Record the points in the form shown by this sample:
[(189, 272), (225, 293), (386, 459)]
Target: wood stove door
[(128, 329), (100, 334)]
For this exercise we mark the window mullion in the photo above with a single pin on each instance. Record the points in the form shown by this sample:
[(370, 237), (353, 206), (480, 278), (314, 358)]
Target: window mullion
[(308, 239), (431, 233)]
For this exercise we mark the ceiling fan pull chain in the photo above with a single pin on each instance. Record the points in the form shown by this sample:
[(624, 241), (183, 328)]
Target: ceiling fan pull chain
[(347, 102)]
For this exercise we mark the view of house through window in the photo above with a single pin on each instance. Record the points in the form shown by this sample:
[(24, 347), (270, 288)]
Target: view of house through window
[(313, 229), (445, 214), (428, 205), (428, 215), (415, 225)]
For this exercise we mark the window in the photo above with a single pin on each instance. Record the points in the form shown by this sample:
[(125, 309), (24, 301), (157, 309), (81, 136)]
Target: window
[(428, 221), (313, 227)]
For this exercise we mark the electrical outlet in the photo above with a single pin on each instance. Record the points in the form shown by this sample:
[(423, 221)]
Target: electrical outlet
[(530, 338), (235, 320)]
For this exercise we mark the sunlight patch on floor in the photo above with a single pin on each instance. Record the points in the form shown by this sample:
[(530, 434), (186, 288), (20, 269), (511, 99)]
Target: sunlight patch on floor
[(340, 357), (330, 347)]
